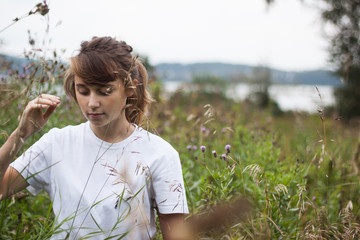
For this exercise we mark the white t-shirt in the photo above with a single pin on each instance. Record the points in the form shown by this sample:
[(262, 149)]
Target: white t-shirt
[(101, 189)]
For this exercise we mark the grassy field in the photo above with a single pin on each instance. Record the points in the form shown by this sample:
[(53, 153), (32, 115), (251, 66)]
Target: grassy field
[(248, 174)]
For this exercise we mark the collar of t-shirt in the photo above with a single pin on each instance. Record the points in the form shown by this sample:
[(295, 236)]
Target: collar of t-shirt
[(89, 134)]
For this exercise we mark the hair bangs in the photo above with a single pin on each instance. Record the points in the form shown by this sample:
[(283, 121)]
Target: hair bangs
[(94, 69)]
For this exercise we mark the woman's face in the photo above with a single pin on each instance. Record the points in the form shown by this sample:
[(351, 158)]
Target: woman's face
[(102, 105)]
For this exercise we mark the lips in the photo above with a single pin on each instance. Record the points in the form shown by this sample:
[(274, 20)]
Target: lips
[(95, 115)]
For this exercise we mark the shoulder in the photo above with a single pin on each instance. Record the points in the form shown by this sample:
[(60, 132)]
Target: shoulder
[(70, 131), (154, 142)]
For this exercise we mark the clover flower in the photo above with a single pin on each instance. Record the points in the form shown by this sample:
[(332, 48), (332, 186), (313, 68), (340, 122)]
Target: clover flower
[(224, 157), (227, 148), (214, 153)]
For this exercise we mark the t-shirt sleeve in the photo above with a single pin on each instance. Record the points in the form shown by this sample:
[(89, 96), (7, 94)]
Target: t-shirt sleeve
[(34, 164), (168, 185)]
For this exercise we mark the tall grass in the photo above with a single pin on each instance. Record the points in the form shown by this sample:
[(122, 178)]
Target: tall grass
[(298, 186), (300, 183)]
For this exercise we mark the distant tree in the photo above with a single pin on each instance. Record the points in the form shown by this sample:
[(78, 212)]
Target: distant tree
[(261, 77), (348, 96), (210, 83), (344, 18), (259, 96), (344, 15)]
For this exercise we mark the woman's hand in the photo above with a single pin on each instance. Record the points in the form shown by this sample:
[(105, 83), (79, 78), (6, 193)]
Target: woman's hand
[(33, 117)]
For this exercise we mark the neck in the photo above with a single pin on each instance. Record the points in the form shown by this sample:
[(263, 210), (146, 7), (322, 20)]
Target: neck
[(113, 132)]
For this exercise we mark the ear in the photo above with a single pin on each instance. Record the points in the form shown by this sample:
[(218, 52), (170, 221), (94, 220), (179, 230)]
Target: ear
[(130, 91)]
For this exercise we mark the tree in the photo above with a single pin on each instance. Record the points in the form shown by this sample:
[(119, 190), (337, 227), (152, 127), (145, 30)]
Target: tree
[(344, 49), (344, 16), (262, 80)]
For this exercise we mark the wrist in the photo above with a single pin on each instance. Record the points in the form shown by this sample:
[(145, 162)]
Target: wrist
[(20, 135)]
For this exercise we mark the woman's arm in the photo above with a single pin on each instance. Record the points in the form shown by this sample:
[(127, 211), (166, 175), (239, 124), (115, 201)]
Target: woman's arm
[(32, 120), (172, 226), (10, 180)]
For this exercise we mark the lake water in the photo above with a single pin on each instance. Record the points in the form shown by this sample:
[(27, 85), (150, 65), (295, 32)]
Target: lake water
[(289, 97)]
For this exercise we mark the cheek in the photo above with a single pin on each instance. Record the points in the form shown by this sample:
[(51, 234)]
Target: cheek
[(81, 103), (118, 102)]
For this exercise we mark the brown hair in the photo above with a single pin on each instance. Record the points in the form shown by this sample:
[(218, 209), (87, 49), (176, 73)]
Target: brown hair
[(104, 59)]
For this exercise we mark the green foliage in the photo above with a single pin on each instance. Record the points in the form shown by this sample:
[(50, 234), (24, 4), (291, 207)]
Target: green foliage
[(344, 16), (294, 176), (348, 96), (294, 168), (210, 84)]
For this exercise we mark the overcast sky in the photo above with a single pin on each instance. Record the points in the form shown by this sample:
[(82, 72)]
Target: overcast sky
[(286, 35)]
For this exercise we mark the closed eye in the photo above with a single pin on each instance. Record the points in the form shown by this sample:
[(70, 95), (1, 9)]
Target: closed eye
[(82, 90), (102, 90), (106, 91)]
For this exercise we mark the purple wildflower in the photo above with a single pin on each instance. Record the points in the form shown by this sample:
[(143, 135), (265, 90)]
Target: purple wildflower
[(196, 158), (227, 148), (188, 147), (203, 148), (194, 147), (313, 198), (203, 129), (214, 153), (224, 157)]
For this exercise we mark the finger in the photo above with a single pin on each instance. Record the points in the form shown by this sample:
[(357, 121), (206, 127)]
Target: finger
[(33, 106), (49, 112), (47, 99), (50, 97), (43, 101)]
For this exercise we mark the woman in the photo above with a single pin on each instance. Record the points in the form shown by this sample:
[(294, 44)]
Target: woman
[(106, 177)]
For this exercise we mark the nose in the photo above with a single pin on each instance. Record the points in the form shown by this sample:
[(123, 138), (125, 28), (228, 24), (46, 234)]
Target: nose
[(94, 102)]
